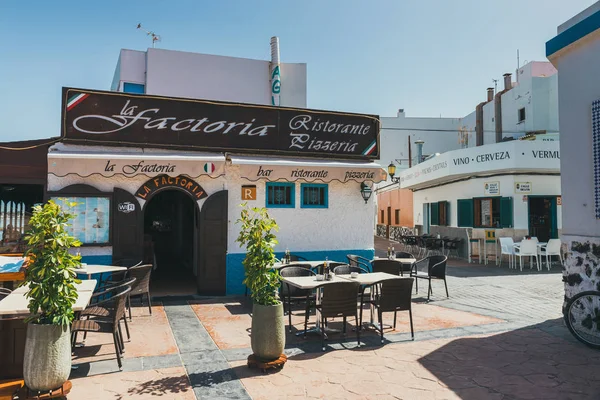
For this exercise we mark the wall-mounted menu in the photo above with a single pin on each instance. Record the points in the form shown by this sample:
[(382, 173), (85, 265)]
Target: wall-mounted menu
[(91, 224)]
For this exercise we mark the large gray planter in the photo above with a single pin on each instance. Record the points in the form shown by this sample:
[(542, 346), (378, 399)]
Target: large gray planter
[(268, 331), (47, 359)]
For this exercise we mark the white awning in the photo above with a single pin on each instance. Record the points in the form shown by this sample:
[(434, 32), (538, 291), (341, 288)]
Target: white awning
[(85, 164), (274, 169)]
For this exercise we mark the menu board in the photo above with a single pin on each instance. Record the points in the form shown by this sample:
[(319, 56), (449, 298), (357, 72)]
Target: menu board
[(91, 224), (486, 212)]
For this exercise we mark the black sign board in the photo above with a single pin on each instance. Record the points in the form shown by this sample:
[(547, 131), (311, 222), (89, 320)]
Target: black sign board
[(124, 119), (160, 182)]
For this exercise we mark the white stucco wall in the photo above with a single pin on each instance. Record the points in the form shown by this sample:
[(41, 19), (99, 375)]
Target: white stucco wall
[(543, 185), (205, 76), (578, 87)]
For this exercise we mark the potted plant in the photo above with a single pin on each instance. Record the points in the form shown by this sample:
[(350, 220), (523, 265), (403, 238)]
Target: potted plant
[(268, 328), (52, 293)]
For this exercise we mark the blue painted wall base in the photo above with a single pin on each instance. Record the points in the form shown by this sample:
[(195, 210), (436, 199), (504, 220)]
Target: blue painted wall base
[(236, 274)]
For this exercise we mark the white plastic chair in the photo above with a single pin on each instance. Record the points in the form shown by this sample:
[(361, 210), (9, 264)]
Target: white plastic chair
[(528, 248), (507, 246), (551, 249)]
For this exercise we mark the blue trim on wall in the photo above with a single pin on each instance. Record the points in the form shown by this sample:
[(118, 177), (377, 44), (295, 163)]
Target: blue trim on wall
[(573, 34), (280, 184), (235, 269), (314, 185), (129, 87)]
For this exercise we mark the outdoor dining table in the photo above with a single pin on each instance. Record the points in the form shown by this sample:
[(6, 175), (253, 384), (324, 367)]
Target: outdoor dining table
[(312, 264), (92, 269), (13, 311), (400, 260)]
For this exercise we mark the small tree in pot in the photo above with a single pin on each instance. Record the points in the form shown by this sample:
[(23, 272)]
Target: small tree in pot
[(268, 329), (52, 293)]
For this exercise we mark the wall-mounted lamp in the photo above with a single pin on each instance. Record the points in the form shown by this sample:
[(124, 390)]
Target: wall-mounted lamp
[(365, 192), (392, 172)]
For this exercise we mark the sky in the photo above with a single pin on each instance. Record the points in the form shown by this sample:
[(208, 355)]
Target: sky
[(430, 57)]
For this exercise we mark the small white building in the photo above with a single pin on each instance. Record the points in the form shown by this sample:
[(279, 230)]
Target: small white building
[(511, 188), (575, 52)]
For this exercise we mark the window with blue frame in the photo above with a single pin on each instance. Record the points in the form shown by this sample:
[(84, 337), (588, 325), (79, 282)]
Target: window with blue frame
[(280, 195), (133, 88), (313, 195)]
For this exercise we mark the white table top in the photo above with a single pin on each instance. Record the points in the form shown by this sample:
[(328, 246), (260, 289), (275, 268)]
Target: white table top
[(400, 260), (87, 285), (16, 303), (540, 244), (292, 263), (310, 282), (98, 269), (371, 278)]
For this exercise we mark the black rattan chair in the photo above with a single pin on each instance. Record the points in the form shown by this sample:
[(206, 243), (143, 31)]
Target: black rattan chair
[(4, 292), (294, 257), (358, 261), (404, 254), (348, 269), (141, 287), (109, 325), (393, 295), (318, 269), (387, 266), (338, 299), (289, 292), (436, 269)]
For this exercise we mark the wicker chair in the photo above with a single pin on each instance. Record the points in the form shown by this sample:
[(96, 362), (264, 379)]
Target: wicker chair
[(141, 287), (289, 292), (436, 269), (387, 266), (294, 257), (109, 325), (394, 295), (348, 269), (102, 308), (338, 300), (358, 261), (4, 292), (332, 265)]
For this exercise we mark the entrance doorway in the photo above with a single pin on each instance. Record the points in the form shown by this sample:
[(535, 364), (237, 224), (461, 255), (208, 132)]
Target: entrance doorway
[(542, 217), (169, 225)]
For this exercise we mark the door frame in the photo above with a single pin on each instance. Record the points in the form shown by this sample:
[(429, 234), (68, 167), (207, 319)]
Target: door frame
[(553, 214)]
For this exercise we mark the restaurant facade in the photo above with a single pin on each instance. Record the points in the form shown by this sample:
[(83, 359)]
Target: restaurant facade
[(509, 189), (162, 179)]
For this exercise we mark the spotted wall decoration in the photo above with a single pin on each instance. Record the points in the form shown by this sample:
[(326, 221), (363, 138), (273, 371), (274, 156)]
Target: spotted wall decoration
[(596, 153)]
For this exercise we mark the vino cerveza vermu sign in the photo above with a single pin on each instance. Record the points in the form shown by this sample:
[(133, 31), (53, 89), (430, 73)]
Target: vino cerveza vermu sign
[(124, 119)]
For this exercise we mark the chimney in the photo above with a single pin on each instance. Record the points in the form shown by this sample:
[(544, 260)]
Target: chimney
[(507, 81), (490, 94), (419, 144)]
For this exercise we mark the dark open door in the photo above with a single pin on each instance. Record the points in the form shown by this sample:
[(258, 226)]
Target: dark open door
[(128, 227), (213, 245)]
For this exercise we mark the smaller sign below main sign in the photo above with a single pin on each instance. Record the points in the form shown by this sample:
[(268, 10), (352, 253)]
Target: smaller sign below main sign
[(491, 188), (181, 182), (523, 187), (249, 192)]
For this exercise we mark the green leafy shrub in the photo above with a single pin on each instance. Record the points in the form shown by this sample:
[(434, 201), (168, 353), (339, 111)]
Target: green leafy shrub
[(256, 234), (50, 271)]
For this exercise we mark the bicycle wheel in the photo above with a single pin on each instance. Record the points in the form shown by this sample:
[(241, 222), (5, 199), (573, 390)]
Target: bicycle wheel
[(582, 317)]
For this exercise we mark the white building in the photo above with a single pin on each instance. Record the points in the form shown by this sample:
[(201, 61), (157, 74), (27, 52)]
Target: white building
[(169, 174), (575, 52), (512, 188), (205, 76)]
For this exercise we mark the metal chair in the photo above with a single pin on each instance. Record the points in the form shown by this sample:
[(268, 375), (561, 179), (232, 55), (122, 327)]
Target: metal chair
[(141, 287), (290, 292), (338, 299), (393, 295), (109, 325), (436, 269)]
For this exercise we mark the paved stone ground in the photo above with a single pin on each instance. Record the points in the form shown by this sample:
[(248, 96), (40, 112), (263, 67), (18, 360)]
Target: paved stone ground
[(526, 353)]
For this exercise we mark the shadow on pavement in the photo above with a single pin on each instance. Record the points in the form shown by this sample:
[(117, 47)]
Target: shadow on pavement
[(535, 362), (158, 387)]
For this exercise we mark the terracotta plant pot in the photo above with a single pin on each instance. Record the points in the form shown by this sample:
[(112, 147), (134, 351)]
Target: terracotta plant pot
[(268, 331), (47, 359)]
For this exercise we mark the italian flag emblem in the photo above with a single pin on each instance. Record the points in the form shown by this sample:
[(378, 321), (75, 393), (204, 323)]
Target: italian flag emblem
[(209, 168), (75, 100)]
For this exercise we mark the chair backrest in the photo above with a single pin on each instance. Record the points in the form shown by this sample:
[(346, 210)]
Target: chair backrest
[(396, 294), (127, 262), (404, 254), (388, 266), (358, 261), (318, 269), (553, 246), (4, 292), (120, 297), (535, 239), (291, 271), (339, 299), (142, 275), (294, 257), (297, 264), (348, 269), (528, 248), (437, 266), (506, 245)]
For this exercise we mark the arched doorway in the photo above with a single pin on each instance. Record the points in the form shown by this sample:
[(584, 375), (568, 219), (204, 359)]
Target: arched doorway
[(169, 223)]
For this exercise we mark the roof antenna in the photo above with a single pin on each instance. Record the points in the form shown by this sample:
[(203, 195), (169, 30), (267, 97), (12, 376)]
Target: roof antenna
[(155, 37)]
